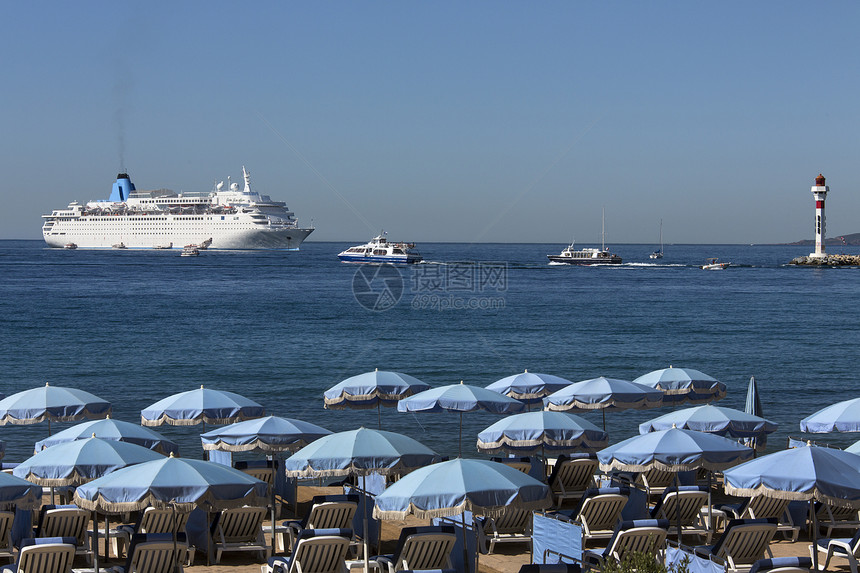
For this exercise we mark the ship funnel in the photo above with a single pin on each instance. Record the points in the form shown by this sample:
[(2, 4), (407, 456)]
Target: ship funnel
[(122, 187)]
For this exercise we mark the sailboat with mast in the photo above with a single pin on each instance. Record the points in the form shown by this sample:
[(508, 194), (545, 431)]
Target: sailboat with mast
[(659, 254), (588, 256)]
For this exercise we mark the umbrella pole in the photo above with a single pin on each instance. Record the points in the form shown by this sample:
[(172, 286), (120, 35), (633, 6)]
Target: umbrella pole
[(176, 566), (272, 487), (460, 450), (95, 547), (710, 504), (678, 505), (365, 533), (814, 534), (603, 411), (466, 563), (378, 416)]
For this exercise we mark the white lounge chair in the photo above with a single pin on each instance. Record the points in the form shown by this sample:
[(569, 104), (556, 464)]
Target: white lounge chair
[(684, 505), (743, 542), (315, 551), (326, 512), (66, 521), (6, 548), (151, 520), (44, 555), (572, 477), (240, 529), (639, 535), (600, 511), (845, 547), (155, 553), (513, 526), (420, 548)]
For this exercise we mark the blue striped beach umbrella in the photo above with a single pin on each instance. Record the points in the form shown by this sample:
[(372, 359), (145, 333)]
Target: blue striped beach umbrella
[(684, 385), (110, 429), (372, 390), (529, 387), (202, 405), (840, 417), (52, 403)]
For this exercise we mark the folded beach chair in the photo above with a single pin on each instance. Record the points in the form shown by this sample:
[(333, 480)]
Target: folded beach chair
[(599, 511), (6, 547), (420, 548), (44, 555), (513, 526), (326, 512), (845, 547), (782, 565), (743, 542), (639, 535), (240, 529), (684, 504), (151, 520), (832, 517), (155, 553), (572, 476), (315, 551), (761, 507), (65, 521)]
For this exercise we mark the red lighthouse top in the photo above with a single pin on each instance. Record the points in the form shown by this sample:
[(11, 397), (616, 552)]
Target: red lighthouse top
[(819, 181)]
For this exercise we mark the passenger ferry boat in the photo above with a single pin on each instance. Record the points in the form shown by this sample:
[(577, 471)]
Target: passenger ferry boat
[(570, 256), (222, 219), (380, 250)]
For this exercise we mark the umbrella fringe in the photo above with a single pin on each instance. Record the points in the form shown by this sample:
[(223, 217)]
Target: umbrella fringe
[(791, 495), (165, 419), (258, 445), (48, 416), (342, 472), (577, 405), (75, 479), (458, 509), (102, 505), (621, 466), (506, 442)]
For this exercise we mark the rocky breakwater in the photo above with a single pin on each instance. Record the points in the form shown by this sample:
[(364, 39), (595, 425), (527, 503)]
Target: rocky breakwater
[(828, 261)]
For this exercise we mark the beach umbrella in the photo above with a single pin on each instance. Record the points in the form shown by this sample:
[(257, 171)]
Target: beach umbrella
[(171, 483), (203, 405), (840, 417), (602, 394), (271, 435), (712, 420), (753, 406), (372, 390), (359, 453), (854, 448), (680, 385), (19, 492), (51, 403), (460, 398), (808, 473), (529, 387), (110, 429), (454, 487), (541, 431), (81, 461)]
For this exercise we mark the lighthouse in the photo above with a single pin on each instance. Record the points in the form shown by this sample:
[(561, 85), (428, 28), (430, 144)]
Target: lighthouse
[(819, 191)]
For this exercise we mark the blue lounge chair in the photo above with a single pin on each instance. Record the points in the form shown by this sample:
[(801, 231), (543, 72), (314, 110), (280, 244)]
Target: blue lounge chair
[(44, 555), (845, 547), (317, 550)]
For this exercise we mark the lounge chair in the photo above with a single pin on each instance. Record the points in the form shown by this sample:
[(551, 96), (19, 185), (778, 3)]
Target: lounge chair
[(522, 464), (599, 511), (155, 553), (782, 565), (571, 477), (845, 547), (743, 542), (44, 555), (420, 548), (551, 568), (684, 504), (639, 535), (240, 529), (151, 520), (656, 481), (761, 507), (832, 517), (326, 512), (65, 521), (6, 547), (263, 471), (513, 526), (315, 551)]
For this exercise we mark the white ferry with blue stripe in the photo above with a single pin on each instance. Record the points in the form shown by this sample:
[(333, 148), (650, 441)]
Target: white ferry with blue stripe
[(380, 250), (230, 218)]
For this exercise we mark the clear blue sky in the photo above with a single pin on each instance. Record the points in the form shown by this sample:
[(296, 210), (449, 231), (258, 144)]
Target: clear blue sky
[(445, 121)]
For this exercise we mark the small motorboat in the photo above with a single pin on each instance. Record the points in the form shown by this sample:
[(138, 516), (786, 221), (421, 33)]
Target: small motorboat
[(714, 264), (119, 245), (190, 251), (70, 246)]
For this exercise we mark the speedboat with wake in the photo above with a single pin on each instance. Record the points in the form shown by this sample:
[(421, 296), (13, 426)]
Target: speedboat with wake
[(381, 250), (714, 264)]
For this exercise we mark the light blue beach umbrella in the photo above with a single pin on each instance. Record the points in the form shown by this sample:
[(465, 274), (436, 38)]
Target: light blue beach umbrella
[(808, 473), (682, 385), (529, 387), (542, 431), (712, 420), (110, 429), (203, 405), (603, 394), (19, 492), (51, 403), (460, 398), (359, 453), (372, 390), (854, 448), (454, 487), (840, 417), (270, 434), (80, 461)]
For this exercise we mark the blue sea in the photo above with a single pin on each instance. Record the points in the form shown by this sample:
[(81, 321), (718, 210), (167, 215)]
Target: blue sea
[(282, 327)]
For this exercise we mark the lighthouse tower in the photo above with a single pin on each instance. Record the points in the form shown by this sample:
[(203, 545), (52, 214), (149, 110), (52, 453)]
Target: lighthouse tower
[(819, 191)]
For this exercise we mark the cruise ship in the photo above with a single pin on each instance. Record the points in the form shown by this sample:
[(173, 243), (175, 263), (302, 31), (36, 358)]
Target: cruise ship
[(222, 218)]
